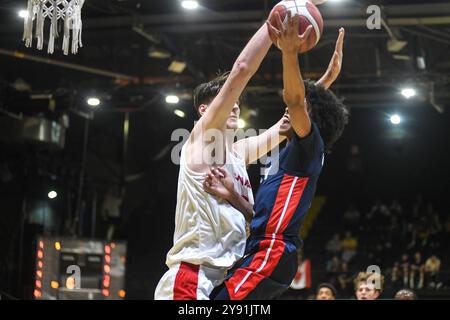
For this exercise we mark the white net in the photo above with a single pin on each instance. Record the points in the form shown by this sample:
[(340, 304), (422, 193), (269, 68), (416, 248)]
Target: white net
[(69, 11)]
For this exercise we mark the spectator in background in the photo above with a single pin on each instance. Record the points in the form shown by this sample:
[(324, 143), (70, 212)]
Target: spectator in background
[(417, 273), (368, 286), (333, 265), (334, 245), (396, 276), (351, 217), (333, 268), (405, 267), (326, 291), (378, 217), (423, 232), (411, 236), (396, 208), (385, 216), (436, 224), (374, 210), (432, 269), (405, 294), (394, 226), (435, 232), (394, 233), (349, 247), (345, 280)]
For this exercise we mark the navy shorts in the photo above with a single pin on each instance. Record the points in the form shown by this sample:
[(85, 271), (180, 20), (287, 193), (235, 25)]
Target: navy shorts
[(262, 275)]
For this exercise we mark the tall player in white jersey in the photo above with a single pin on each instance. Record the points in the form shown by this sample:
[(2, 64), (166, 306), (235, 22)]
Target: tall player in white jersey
[(210, 233)]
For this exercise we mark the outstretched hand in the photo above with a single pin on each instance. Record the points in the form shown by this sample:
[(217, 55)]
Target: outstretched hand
[(335, 66), (287, 37), (334, 69)]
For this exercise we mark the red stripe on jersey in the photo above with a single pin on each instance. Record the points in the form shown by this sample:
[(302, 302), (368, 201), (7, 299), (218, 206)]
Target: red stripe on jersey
[(288, 197)]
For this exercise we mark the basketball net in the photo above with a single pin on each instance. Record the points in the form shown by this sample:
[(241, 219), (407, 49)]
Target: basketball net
[(67, 10)]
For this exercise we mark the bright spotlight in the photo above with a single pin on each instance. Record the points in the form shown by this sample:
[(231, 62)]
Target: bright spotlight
[(93, 102), (241, 123), (172, 99), (395, 119), (52, 195), (189, 4), (179, 113), (23, 14), (408, 93)]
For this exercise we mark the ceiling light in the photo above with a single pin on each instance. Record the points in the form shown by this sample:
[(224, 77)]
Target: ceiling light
[(172, 99)]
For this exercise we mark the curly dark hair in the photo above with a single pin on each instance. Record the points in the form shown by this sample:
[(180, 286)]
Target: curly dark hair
[(327, 111)]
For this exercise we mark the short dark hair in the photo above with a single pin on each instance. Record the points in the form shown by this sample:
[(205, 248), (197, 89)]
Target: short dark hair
[(329, 286), (205, 92), (327, 111)]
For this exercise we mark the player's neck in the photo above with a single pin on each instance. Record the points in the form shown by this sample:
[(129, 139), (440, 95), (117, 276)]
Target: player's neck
[(290, 135)]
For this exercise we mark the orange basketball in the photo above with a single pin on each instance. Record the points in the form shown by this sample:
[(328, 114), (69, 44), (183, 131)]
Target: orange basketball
[(309, 15)]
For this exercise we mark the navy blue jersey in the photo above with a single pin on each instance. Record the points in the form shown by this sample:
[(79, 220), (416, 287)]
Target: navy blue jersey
[(286, 194), (282, 201)]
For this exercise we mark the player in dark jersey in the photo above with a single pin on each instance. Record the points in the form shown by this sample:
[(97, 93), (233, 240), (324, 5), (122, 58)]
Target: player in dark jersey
[(315, 119)]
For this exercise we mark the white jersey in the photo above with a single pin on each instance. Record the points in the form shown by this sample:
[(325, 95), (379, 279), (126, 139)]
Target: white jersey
[(209, 231)]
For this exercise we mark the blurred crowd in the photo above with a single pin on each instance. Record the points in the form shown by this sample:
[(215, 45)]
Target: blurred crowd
[(407, 241), (367, 286)]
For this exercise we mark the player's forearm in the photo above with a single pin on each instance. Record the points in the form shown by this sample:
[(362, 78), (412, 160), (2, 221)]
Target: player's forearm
[(259, 146), (269, 139), (294, 88), (329, 76), (239, 203), (244, 68), (254, 52), (327, 80)]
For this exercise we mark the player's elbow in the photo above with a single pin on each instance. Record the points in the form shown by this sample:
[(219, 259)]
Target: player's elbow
[(292, 100), (242, 69)]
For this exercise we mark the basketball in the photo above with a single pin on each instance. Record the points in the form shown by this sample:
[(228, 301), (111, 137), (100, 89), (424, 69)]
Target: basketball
[(309, 15)]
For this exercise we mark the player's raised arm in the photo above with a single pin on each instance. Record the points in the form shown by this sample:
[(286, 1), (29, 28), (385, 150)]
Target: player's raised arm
[(294, 89), (254, 148), (335, 66), (244, 68)]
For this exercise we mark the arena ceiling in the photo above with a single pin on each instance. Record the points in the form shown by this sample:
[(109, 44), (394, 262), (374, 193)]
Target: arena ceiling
[(120, 36)]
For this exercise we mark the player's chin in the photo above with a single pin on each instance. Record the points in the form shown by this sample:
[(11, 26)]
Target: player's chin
[(285, 129), (232, 123)]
